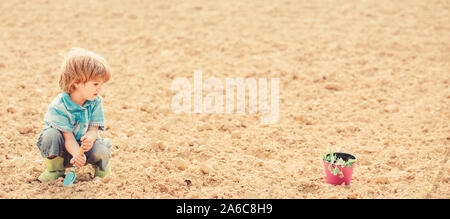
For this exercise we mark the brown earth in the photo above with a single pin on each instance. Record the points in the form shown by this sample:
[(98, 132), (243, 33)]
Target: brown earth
[(366, 77)]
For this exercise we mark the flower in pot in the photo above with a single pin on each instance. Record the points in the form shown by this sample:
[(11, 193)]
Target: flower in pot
[(338, 167)]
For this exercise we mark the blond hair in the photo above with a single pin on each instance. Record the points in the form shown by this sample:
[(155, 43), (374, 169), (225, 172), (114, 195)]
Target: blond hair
[(81, 66)]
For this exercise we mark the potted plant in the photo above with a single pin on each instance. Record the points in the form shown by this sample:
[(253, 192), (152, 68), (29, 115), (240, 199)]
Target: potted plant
[(338, 167)]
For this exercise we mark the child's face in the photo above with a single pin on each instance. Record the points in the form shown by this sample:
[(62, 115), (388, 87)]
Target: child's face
[(90, 89)]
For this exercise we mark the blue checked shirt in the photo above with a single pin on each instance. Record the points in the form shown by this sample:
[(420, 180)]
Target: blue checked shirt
[(67, 116)]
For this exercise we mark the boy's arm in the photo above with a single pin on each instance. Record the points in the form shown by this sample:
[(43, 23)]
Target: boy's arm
[(88, 139), (71, 143), (92, 133)]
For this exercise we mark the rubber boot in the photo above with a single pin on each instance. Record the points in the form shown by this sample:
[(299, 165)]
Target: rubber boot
[(102, 173), (55, 169)]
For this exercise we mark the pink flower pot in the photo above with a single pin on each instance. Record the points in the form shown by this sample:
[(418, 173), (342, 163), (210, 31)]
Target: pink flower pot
[(347, 171)]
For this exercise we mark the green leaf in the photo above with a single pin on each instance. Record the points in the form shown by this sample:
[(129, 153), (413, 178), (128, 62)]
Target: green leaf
[(350, 162), (334, 171), (325, 157)]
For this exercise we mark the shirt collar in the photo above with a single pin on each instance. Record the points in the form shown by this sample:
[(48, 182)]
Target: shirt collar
[(73, 106)]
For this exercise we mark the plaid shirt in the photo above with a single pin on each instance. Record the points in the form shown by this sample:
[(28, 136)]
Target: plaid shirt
[(67, 116)]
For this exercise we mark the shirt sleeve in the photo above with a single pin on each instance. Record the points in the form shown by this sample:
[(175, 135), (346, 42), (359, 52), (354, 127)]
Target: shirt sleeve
[(57, 119), (97, 118)]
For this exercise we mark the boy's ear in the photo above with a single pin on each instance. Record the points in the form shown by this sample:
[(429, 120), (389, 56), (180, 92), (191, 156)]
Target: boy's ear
[(76, 84)]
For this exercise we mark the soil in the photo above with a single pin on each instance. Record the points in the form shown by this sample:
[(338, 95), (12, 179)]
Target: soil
[(366, 77)]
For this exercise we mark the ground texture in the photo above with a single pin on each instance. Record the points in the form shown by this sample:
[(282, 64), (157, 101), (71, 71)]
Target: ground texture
[(366, 77)]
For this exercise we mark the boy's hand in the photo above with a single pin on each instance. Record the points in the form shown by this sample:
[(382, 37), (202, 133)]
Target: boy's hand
[(87, 142), (78, 160)]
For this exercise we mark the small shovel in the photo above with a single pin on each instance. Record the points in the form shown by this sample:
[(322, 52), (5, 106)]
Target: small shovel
[(70, 176)]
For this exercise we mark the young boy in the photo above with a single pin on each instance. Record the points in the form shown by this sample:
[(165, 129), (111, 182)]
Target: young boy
[(74, 117)]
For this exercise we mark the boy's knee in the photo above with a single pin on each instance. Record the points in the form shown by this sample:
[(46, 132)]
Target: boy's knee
[(101, 150), (50, 136), (50, 141)]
